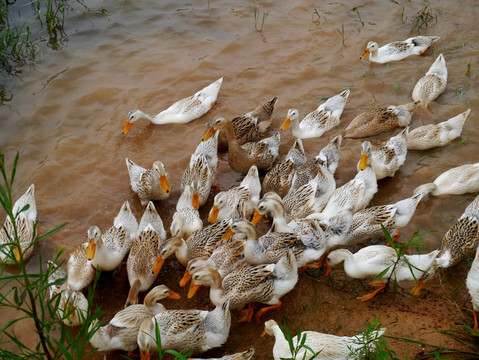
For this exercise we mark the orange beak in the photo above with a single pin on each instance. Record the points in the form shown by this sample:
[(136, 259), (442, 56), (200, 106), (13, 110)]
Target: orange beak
[(286, 123), (208, 133), (17, 252), (213, 214), (90, 250), (256, 218), (174, 295), (165, 185), (195, 201), (144, 355), (263, 334), (228, 234), (185, 279), (158, 264), (127, 127), (365, 53), (193, 289), (363, 162), (212, 104), (70, 310)]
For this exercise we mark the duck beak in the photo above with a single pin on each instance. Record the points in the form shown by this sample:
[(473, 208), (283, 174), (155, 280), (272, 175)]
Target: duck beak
[(213, 214), (185, 279), (363, 162), (158, 264), (365, 53), (286, 123), (90, 250), (256, 218), (127, 127), (174, 295), (228, 234), (196, 201), (208, 133), (70, 309), (263, 334), (17, 253), (193, 289), (144, 355), (165, 185)]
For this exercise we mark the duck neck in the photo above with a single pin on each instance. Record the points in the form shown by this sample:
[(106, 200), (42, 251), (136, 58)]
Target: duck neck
[(231, 137), (182, 252), (281, 345), (216, 288)]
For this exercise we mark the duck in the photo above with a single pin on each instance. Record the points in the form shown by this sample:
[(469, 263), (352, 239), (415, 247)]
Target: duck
[(265, 283), (201, 171), (355, 194), (142, 257), (472, 284), (398, 50), (72, 306), (122, 330), (318, 345), (248, 127), (366, 223), (182, 111), (271, 247), (106, 251), (374, 260), (149, 184), (186, 220), (455, 181), (434, 135), (245, 355), (316, 123), (24, 211), (329, 155), (279, 178), (262, 153), (378, 120), (388, 158), (80, 270), (183, 330), (199, 243), (461, 239), (225, 202), (433, 84)]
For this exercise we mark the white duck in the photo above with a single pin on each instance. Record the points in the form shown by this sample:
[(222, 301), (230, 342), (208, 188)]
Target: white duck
[(80, 270), (106, 251), (226, 202), (149, 184), (456, 181), (329, 155), (122, 330), (25, 219), (186, 219), (432, 135), (245, 355), (182, 111), (325, 346), (182, 330), (433, 84), (355, 194), (373, 260), (316, 123), (472, 283), (398, 50), (388, 158)]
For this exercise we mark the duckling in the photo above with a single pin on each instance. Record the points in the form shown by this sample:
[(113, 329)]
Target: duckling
[(455, 181), (316, 123), (186, 219), (388, 158), (279, 178), (122, 330), (149, 184), (372, 260), (433, 84), (241, 158), (183, 330), (182, 111), (25, 212), (375, 121), (319, 345), (248, 127), (432, 135), (106, 251), (398, 50)]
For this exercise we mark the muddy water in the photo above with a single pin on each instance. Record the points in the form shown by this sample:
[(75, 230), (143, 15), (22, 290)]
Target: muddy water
[(66, 117)]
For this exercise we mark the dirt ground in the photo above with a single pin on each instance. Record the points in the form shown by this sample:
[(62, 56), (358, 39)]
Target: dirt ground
[(330, 305)]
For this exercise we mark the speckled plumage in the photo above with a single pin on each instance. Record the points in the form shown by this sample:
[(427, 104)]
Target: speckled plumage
[(388, 158), (433, 84), (80, 270), (329, 155)]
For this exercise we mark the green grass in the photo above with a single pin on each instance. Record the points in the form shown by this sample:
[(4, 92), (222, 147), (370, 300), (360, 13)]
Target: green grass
[(259, 27), (423, 18)]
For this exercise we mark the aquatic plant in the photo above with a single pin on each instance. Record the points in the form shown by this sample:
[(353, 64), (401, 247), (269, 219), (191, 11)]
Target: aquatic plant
[(27, 294), (257, 16), (423, 17)]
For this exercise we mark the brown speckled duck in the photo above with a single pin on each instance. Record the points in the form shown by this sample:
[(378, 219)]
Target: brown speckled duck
[(433, 84)]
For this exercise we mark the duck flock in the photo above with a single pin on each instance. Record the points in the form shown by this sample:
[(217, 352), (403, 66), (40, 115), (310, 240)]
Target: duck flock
[(313, 220)]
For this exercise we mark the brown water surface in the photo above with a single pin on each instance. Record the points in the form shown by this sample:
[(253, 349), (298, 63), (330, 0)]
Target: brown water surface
[(66, 118)]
